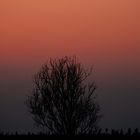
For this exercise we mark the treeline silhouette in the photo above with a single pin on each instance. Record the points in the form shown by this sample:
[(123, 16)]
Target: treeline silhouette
[(64, 104), (99, 133)]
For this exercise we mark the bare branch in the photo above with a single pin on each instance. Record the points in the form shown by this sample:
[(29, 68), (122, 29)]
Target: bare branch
[(62, 101)]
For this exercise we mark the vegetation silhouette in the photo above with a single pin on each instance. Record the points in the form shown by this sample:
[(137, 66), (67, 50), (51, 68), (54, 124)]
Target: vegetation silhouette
[(62, 102), (99, 134)]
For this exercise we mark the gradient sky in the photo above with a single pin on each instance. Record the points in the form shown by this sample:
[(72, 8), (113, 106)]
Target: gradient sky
[(103, 33)]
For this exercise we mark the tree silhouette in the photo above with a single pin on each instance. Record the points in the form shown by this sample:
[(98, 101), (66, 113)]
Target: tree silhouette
[(61, 101)]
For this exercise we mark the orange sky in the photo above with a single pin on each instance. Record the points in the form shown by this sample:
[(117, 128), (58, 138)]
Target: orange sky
[(105, 33), (92, 23), (99, 31)]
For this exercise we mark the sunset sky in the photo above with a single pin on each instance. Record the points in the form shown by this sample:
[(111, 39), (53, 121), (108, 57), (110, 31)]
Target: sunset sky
[(102, 33)]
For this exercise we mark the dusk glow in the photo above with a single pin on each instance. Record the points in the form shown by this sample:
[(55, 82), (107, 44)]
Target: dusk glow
[(102, 33)]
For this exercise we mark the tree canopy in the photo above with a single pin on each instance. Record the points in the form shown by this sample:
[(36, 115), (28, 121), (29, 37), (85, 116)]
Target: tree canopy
[(62, 101)]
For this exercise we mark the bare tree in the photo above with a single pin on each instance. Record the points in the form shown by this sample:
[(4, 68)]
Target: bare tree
[(61, 101)]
